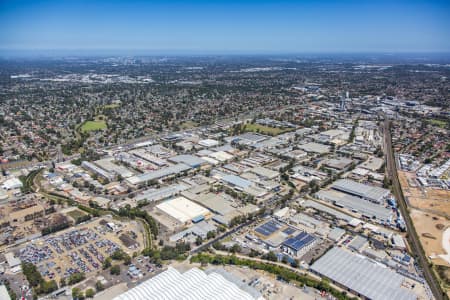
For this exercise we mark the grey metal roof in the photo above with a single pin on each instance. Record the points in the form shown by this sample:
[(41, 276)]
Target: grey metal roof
[(237, 181), (161, 193), (336, 233), (362, 275), (371, 193), (358, 243), (366, 208), (189, 160), (175, 169), (324, 208)]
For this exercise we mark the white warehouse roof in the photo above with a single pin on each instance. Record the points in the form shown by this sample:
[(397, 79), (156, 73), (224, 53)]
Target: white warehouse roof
[(182, 209), (193, 284)]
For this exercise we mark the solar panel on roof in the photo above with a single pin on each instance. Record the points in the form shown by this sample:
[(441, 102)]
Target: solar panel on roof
[(289, 230), (268, 228), (299, 241)]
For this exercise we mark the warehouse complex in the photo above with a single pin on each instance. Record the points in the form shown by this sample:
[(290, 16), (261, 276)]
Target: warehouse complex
[(368, 209), (367, 192), (193, 284), (363, 276), (183, 210)]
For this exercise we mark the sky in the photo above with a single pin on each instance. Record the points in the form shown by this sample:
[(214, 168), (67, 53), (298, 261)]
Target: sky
[(253, 26)]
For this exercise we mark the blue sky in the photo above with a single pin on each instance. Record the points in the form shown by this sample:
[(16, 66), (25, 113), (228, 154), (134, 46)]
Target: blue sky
[(261, 26)]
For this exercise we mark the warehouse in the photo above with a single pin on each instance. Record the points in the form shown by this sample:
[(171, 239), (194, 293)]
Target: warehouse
[(97, 170), (320, 207), (248, 138), (108, 165), (237, 182), (183, 210), (336, 234), (264, 172), (162, 193), (193, 284), (190, 160), (159, 174), (208, 143), (11, 184), (340, 163), (315, 148), (355, 204), (362, 276), (367, 192)]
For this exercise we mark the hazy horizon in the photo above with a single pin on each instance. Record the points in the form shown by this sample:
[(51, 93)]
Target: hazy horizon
[(225, 27)]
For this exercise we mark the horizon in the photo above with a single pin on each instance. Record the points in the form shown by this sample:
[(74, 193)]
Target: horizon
[(226, 27)]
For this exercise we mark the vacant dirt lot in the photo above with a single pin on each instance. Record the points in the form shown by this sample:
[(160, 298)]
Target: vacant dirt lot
[(430, 228), (426, 199)]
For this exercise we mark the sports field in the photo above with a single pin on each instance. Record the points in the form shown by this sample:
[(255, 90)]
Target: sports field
[(93, 126), (265, 129)]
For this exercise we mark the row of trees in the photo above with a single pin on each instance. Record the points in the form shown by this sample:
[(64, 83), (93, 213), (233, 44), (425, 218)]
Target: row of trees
[(167, 252), (132, 213), (281, 272)]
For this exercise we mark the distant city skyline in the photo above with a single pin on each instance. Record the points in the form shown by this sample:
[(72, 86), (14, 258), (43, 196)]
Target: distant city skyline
[(225, 27)]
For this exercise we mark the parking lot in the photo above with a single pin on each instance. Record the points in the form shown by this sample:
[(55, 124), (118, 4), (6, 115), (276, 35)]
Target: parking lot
[(79, 249)]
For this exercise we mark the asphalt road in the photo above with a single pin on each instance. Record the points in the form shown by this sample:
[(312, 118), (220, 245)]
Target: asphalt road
[(412, 235)]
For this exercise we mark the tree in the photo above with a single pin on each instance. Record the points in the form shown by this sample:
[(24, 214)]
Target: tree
[(106, 263), (99, 286), (115, 270), (235, 248), (76, 277), (77, 294), (126, 260), (90, 293), (210, 234), (270, 256), (198, 241)]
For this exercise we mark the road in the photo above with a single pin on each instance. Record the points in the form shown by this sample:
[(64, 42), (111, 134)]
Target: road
[(220, 237), (413, 239)]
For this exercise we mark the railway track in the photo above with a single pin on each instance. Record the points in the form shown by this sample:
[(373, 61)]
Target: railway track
[(413, 239)]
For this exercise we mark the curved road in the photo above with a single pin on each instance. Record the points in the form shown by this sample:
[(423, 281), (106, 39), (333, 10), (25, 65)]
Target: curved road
[(412, 235)]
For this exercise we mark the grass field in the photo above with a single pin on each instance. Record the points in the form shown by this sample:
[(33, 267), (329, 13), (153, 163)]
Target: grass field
[(93, 125), (265, 129), (110, 106), (188, 125), (75, 214), (439, 123)]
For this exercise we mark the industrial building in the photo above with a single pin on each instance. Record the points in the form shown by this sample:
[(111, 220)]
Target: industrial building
[(193, 284), (161, 193), (183, 210), (336, 234), (208, 143), (315, 148), (190, 160), (12, 183), (299, 244), (366, 192), (362, 276), (248, 138), (236, 182), (108, 165), (355, 204), (4, 293), (159, 174), (97, 170)]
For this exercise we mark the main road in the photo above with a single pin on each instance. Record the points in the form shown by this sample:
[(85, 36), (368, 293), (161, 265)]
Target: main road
[(413, 239)]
